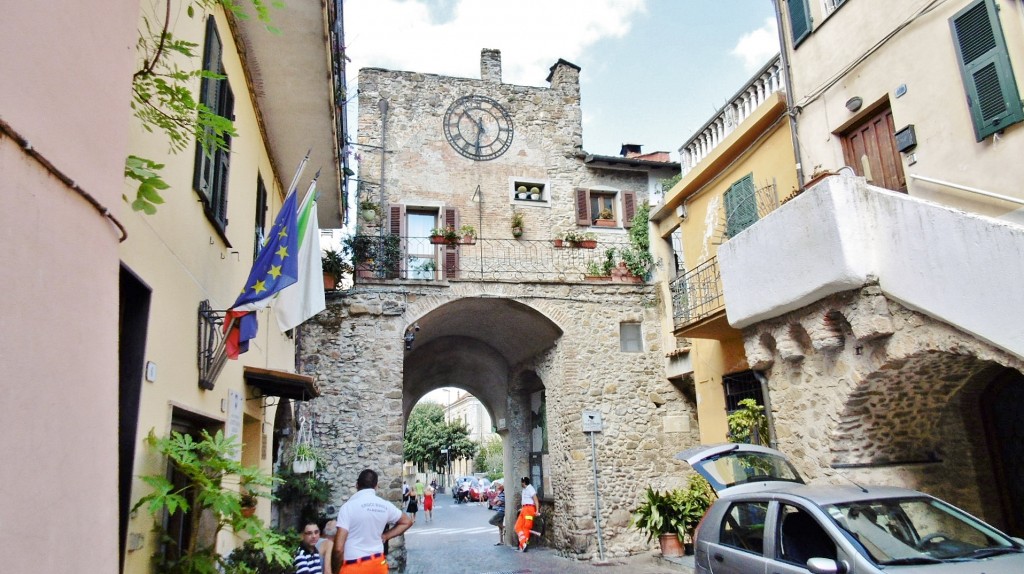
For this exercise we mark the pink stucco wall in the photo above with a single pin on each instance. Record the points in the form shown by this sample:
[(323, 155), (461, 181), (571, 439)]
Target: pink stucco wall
[(65, 71)]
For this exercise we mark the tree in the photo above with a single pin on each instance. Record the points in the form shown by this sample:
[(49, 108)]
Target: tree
[(491, 458), (427, 434), (748, 424), (162, 94)]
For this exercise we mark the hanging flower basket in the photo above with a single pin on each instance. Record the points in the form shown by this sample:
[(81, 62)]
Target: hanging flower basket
[(303, 466)]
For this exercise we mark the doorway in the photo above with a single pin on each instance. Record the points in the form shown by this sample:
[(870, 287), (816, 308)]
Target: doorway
[(869, 147), (1005, 426)]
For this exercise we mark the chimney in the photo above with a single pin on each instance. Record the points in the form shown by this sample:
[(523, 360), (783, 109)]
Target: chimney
[(490, 65), (629, 150)]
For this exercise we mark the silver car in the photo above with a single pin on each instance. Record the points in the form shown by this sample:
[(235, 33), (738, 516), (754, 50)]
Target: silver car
[(767, 521)]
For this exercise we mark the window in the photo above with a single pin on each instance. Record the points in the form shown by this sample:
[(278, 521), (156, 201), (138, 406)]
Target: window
[(801, 537), (211, 167), (799, 20), (739, 386), (631, 338), (740, 206), (529, 192), (992, 97), (743, 526), (831, 5), (590, 202), (422, 255), (261, 217)]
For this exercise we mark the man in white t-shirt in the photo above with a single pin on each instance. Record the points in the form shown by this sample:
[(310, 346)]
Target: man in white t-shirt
[(359, 542), (531, 508)]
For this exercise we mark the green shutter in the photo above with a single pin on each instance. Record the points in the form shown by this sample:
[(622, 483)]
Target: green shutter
[(740, 206), (799, 20), (992, 96)]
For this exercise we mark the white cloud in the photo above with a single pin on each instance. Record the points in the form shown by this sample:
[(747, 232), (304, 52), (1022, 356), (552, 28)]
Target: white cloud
[(531, 34), (756, 47)]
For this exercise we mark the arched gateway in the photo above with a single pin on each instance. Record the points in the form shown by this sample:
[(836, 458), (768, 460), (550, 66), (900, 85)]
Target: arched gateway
[(536, 355)]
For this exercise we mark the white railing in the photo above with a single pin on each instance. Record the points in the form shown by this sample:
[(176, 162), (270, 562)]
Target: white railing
[(765, 82)]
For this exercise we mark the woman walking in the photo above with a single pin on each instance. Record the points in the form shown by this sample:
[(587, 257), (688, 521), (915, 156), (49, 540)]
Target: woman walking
[(428, 504)]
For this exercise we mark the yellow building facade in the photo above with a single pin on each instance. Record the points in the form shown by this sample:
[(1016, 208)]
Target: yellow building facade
[(736, 170)]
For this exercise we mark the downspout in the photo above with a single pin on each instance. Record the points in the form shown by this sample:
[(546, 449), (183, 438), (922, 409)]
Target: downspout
[(772, 440), (784, 60)]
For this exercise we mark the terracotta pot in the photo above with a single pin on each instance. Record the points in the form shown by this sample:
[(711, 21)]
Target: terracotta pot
[(604, 223), (330, 283), (557, 242), (248, 511), (468, 240), (587, 244), (438, 239), (670, 545)]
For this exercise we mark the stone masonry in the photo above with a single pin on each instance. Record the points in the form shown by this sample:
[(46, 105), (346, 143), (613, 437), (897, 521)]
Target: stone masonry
[(864, 388)]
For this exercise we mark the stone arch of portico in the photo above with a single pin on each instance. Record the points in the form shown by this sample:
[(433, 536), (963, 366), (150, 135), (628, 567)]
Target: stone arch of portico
[(882, 394)]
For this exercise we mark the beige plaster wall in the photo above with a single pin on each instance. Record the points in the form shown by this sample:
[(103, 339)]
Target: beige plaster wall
[(923, 58), (58, 344), (181, 256)]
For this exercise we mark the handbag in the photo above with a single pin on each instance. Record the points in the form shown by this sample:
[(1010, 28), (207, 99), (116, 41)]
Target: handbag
[(497, 519)]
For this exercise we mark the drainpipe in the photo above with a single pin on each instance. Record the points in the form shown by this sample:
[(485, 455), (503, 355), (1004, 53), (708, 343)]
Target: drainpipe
[(784, 61), (383, 106), (772, 441)]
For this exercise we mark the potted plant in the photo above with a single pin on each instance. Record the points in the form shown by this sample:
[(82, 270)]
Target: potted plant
[(370, 211), (445, 235), (334, 266), (605, 218), (559, 240), (521, 192), (581, 240), (468, 234), (248, 501), (306, 458), (427, 268), (517, 224), (535, 193), (673, 515)]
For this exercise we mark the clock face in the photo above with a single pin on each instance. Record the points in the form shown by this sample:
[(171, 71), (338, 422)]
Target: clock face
[(478, 127)]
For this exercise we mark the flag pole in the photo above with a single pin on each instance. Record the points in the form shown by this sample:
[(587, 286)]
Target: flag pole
[(298, 172)]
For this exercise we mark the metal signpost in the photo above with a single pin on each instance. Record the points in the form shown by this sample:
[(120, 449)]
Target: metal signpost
[(592, 424)]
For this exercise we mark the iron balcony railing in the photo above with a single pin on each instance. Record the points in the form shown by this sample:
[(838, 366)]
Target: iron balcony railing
[(416, 258), (697, 294)]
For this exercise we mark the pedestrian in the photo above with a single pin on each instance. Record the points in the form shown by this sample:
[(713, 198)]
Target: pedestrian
[(412, 506), (499, 518), (531, 508), (326, 543), (428, 504), (418, 489), (405, 492), (433, 484), (359, 542), (307, 560)]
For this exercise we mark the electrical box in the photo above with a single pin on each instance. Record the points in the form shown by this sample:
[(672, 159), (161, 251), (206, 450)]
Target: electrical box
[(906, 139)]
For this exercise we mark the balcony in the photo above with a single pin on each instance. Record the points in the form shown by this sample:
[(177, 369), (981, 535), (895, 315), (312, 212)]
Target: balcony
[(765, 82), (390, 257), (698, 303)]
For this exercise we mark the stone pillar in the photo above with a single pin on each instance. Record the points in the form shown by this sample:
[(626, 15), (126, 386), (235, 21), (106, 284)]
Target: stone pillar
[(490, 65), (517, 450)]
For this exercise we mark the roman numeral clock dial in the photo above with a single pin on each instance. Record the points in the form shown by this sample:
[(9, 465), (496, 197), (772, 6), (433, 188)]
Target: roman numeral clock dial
[(478, 127)]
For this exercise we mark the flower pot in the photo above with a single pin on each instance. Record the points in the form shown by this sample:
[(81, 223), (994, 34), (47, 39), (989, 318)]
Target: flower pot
[(468, 240), (303, 466), (368, 215), (522, 195), (330, 283), (604, 223), (670, 545), (535, 196), (248, 511), (438, 239), (517, 232), (558, 243), (586, 244)]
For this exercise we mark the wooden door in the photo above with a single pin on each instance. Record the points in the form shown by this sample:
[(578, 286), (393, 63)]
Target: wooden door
[(870, 149)]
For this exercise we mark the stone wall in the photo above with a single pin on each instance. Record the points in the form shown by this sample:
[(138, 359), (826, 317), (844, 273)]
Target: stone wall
[(355, 351), (864, 388)]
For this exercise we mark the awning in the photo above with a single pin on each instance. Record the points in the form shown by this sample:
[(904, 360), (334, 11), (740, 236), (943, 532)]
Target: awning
[(274, 383)]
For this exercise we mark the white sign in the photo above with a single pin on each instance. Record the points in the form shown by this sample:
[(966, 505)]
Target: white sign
[(592, 421), (234, 423)]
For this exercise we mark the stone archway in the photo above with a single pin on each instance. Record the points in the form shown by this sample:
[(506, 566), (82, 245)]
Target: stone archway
[(514, 345), (866, 389)]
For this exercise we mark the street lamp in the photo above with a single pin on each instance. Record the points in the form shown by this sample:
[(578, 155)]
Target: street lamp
[(448, 466)]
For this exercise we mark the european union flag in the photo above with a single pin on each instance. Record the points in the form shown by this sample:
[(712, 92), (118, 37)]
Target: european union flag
[(276, 267)]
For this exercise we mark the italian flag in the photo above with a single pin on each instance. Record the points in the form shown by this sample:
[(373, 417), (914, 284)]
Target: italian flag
[(305, 298)]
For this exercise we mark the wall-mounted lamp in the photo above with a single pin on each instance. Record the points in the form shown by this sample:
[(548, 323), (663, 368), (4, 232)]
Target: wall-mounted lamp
[(410, 335), (853, 104)]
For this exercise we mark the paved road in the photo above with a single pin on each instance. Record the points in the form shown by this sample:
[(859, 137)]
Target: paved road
[(460, 541)]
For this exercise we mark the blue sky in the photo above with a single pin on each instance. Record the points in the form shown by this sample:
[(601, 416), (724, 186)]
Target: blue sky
[(653, 71)]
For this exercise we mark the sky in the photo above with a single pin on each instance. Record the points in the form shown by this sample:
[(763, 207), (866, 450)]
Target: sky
[(653, 71)]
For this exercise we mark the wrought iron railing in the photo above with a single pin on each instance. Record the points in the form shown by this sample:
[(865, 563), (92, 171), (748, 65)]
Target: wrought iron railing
[(416, 258), (697, 294)]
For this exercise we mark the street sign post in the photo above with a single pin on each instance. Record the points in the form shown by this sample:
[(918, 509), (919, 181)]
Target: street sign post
[(592, 424)]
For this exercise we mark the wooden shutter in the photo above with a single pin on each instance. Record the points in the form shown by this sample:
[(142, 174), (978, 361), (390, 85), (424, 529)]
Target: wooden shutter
[(582, 206), (451, 252), (740, 206), (203, 178), (628, 208), (992, 96), (396, 227), (799, 20)]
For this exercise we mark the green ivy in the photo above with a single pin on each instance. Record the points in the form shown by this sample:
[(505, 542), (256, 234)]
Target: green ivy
[(637, 256)]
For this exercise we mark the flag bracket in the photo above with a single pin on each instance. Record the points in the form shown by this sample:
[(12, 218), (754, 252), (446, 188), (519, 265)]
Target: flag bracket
[(211, 354)]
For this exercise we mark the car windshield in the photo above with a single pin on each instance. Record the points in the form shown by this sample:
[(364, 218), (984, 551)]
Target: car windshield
[(917, 530)]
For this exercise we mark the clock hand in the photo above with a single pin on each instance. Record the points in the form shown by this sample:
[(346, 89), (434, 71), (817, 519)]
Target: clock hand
[(479, 133)]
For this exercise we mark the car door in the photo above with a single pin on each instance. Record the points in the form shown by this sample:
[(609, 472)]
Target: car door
[(796, 537), (739, 545), (734, 468)]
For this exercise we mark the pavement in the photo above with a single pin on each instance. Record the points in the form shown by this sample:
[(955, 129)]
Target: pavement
[(459, 541)]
